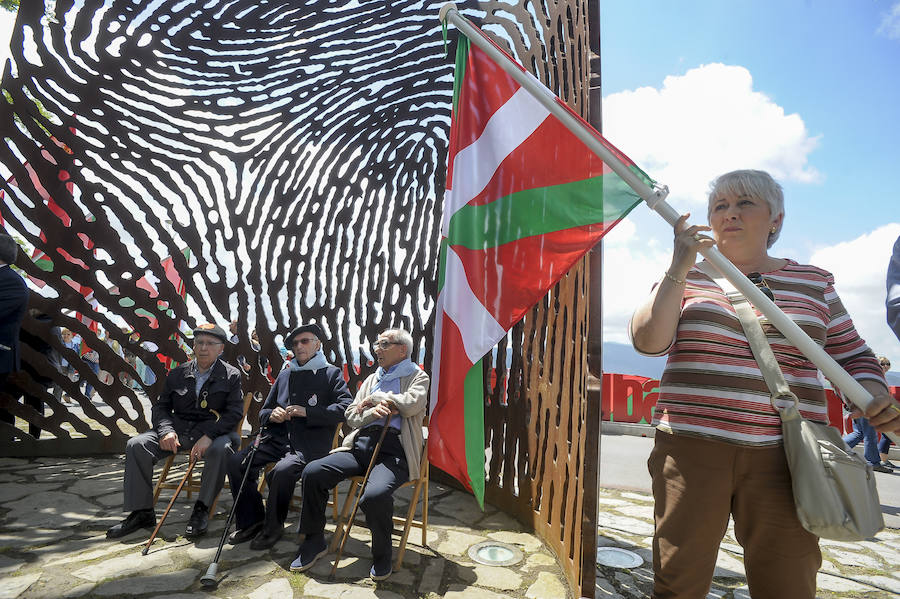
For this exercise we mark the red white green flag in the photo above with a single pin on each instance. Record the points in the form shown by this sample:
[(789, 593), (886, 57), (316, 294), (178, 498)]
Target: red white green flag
[(525, 199)]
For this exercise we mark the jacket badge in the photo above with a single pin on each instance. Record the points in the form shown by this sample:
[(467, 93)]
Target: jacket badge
[(312, 401)]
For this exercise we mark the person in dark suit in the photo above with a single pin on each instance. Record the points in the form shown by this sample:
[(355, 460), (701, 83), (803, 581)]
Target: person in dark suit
[(13, 303), (197, 411), (306, 403)]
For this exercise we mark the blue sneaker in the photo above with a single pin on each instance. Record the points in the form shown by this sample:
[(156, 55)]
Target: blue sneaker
[(311, 550), (380, 571)]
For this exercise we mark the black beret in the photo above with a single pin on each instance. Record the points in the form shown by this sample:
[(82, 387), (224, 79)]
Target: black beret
[(307, 328), (211, 329)]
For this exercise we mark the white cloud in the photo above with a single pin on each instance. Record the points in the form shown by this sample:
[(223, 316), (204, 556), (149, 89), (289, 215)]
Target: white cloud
[(859, 267), (704, 123), (890, 23), (697, 126)]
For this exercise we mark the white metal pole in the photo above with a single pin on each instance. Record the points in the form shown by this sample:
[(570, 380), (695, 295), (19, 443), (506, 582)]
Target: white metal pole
[(655, 198)]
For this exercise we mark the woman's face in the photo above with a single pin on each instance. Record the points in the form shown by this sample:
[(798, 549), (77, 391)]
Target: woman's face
[(741, 221)]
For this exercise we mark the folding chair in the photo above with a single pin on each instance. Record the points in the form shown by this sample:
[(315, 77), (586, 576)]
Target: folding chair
[(420, 489), (192, 485)]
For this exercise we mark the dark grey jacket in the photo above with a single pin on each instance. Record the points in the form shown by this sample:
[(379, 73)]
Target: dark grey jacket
[(215, 412)]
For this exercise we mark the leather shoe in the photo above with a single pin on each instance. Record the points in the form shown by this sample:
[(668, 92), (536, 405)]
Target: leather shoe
[(198, 522), (245, 534), (312, 549), (135, 521), (266, 539)]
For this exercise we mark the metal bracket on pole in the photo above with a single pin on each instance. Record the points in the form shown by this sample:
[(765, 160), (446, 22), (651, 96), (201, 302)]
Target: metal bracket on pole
[(655, 199)]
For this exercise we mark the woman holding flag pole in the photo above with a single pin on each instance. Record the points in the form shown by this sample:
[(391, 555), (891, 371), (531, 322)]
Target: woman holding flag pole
[(718, 449)]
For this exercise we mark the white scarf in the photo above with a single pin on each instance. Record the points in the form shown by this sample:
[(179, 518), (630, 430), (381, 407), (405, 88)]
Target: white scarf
[(316, 362)]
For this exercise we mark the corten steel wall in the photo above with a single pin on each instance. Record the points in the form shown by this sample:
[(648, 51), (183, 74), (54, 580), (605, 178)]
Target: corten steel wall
[(273, 163)]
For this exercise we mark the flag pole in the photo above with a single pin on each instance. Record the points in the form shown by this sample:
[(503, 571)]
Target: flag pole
[(655, 198)]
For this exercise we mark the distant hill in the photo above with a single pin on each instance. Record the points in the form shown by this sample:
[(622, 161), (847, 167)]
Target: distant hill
[(620, 358)]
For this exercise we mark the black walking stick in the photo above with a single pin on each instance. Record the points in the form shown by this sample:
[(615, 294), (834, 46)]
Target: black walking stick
[(209, 580), (187, 475), (362, 488)]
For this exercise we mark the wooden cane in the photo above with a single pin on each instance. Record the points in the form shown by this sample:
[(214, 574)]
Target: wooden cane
[(362, 487), (187, 475)]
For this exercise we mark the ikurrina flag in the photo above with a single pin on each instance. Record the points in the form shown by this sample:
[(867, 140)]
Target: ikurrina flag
[(525, 200)]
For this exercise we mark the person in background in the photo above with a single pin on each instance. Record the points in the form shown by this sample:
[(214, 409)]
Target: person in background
[(892, 280), (13, 303), (718, 450), (884, 445), (198, 411)]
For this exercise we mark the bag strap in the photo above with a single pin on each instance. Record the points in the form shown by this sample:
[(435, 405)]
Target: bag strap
[(759, 344)]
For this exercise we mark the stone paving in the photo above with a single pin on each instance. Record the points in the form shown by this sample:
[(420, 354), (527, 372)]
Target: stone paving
[(53, 514)]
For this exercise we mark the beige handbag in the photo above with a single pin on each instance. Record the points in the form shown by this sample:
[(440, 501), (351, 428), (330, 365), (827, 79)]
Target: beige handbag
[(834, 488)]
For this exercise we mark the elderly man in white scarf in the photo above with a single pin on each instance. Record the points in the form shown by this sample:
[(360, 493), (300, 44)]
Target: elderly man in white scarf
[(393, 397), (300, 414)]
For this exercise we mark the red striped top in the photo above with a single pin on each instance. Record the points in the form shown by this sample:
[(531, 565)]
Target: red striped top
[(712, 386)]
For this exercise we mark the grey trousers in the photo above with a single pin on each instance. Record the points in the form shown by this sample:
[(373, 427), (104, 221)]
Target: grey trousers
[(143, 451)]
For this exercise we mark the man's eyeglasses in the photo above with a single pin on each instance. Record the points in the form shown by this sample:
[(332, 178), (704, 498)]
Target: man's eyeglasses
[(207, 343), (304, 341), (760, 281), (384, 344)]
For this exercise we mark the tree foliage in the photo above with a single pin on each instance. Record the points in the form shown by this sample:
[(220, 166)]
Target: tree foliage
[(10, 5)]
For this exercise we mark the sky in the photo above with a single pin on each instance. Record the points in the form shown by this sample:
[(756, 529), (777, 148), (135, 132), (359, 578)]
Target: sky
[(805, 90)]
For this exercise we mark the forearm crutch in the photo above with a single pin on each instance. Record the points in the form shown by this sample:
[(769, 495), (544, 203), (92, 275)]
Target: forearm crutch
[(209, 580), (187, 475), (362, 487)]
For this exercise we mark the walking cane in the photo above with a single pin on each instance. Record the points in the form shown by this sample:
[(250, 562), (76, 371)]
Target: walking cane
[(209, 580), (362, 488), (187, 475)]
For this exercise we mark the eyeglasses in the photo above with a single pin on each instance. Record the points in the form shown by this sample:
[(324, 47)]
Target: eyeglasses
[(207, 343), (758, 280), (384, 344), (304, 341), (885, 365)]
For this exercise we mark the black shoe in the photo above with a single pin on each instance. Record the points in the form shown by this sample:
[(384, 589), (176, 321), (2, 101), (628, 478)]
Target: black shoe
[(198, 522), (136, 520), (879, 468), (381, 569), (266, 539), (888, 464), (245, 534), (312, 549)]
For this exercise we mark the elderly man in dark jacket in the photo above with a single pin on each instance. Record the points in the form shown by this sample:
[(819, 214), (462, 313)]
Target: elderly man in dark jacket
[(198, 410), (304, 406)]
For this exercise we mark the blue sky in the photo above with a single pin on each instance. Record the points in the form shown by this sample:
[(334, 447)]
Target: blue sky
[(806, 90)]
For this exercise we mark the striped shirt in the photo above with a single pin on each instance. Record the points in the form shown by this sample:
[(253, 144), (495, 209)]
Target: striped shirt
[(712, 386)]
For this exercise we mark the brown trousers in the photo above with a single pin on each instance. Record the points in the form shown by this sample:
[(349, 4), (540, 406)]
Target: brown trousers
[(697, 483)]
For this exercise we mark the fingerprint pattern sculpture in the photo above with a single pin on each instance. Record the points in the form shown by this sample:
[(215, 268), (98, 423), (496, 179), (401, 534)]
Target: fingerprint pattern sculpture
[(269, 162)]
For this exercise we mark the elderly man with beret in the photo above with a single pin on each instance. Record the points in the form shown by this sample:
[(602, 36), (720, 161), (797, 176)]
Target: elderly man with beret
[(198, 411), (303, 408)]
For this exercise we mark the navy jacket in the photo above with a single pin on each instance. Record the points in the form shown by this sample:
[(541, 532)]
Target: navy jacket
[(13, 303), (215, 412), (325, 396)]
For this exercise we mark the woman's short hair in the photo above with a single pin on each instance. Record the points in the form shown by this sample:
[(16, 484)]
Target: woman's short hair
[(402, 337), (757, 184)]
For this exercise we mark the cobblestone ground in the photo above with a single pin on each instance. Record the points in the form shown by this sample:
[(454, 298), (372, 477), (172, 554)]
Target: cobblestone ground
[(869, 569), (54, 513)]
